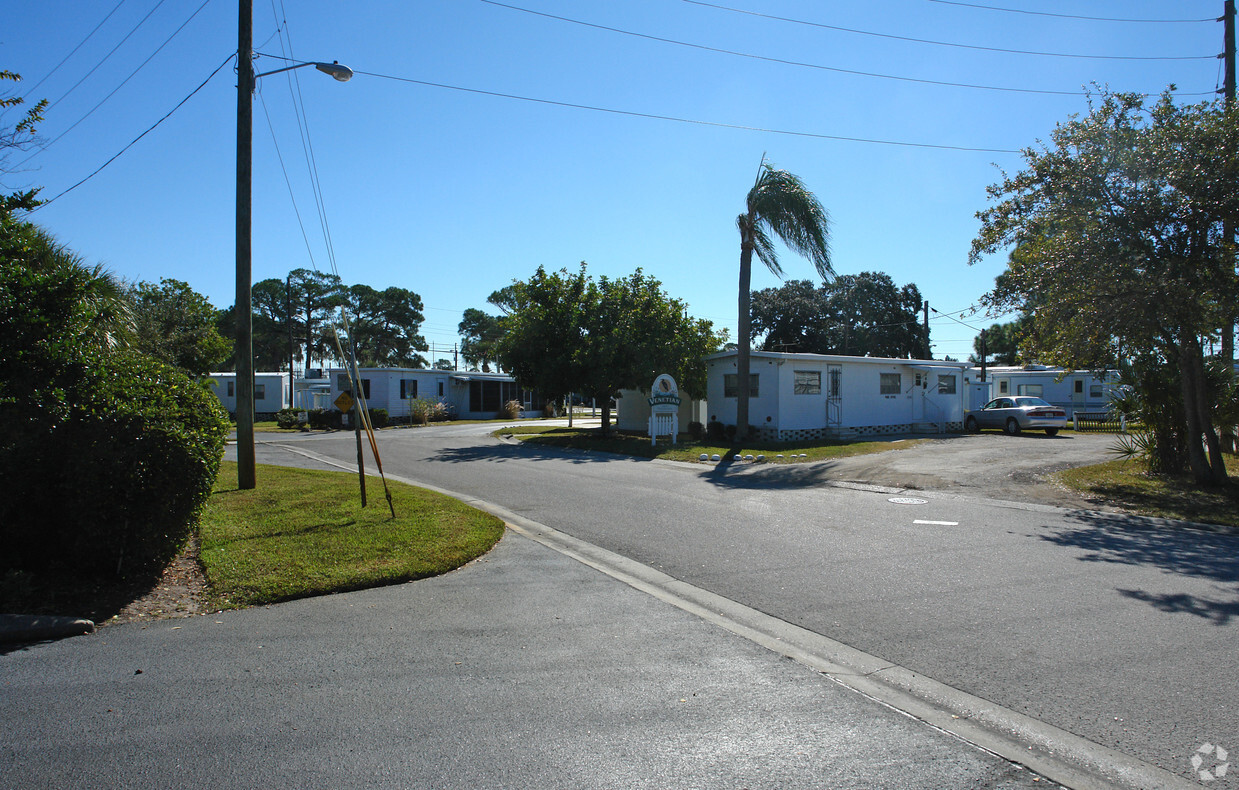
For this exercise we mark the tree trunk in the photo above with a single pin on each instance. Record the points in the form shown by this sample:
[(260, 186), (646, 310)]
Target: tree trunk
[(743, 324), (606, 416), (1207, 468)]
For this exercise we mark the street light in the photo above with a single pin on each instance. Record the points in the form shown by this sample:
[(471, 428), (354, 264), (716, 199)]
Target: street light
[(244, 307)]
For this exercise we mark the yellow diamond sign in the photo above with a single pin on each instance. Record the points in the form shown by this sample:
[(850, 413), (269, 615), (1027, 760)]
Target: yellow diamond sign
[(344, 402)]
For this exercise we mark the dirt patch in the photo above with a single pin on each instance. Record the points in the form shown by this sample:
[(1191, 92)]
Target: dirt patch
[(179, 592), (989, 466)]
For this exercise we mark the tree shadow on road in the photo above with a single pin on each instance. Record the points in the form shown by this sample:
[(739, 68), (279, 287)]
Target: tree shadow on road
[(526, 451), (1176, 551)]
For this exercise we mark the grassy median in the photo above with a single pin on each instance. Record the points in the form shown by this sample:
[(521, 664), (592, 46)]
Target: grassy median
[(303, 532), (687, 449)]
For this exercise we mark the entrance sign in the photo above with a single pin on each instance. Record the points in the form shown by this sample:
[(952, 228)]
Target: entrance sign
[(664, 403)]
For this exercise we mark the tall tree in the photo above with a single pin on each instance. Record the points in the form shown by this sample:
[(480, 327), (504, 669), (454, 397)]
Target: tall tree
[(176, 325), (1002, 343), (314, 296), (479, 333), (384, 326), (855, 315), (1116, 226), (779, 204), (571, 333)]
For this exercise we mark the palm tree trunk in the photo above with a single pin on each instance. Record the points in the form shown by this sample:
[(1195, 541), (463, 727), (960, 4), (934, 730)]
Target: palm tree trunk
[(743, 323)]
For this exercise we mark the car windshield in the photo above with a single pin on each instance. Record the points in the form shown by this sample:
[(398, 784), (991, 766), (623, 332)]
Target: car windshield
[(1026, 401)]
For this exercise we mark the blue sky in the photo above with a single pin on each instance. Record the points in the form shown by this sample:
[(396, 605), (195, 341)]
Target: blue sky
[(432, 181)]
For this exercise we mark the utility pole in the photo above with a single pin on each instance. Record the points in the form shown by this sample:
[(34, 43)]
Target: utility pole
[(984, 354), (928, 351), (1228, 92), (288, 317), (245, 338)]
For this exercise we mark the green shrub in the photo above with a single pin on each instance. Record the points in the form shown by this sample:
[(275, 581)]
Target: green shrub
[(379, 418), (324, 419), (696, 430), (287, 418), (107, 467)]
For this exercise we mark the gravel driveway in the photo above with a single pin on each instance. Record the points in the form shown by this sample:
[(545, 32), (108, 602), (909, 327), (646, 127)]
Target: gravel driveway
[(988, 465)]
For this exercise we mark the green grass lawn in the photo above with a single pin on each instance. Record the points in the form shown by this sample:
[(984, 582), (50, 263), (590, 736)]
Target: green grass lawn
[(1125, 484), (688, 450), (303, 533)]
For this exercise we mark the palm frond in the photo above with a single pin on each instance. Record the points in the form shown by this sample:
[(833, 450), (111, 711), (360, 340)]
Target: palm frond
[(780, 202)]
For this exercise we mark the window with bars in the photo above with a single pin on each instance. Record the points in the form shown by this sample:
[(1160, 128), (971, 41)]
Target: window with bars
[(808, 382), (729, 385), (891, 384)]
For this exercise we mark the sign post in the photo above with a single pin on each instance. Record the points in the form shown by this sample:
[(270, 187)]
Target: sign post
[(664, 403)]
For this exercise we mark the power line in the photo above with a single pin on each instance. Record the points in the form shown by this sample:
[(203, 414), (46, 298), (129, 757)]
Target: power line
[(949, 43), (136, 139), (799, 64), (74, 51), (1068, 16), (125, 81), (110, 54), (675, 119)]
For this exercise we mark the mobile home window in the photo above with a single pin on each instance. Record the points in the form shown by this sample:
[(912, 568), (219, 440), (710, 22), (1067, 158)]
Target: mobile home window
[(1030, 389), (729, 385), (232, 389), (891, 384), (260, 391), (343, 385), (808, 382), (1002, 387), (408, 389), (946, 384), (1079, 386), (1094, 390), (440, 389)]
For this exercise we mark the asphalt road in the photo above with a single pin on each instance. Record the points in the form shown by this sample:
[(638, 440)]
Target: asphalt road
[(1119, 630), (523, 669)]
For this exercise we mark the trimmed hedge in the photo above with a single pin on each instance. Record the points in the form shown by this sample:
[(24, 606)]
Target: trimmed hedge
[(106, 467)]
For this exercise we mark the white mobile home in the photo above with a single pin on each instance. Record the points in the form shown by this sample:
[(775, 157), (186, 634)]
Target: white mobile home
[(469, 395), (270, 391), (1080, 390), (796, 397)]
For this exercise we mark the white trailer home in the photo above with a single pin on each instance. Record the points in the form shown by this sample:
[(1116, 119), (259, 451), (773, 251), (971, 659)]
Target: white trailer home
[(795, 397), (1081, 390), (270, 392), (471, 395)]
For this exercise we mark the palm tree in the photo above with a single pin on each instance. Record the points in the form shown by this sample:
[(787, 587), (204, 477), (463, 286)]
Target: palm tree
[(779, 205)]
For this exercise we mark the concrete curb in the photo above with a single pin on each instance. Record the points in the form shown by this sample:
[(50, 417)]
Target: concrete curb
[(16, 628)]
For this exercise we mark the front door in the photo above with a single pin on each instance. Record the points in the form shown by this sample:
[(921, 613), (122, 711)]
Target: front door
[(834, 396)]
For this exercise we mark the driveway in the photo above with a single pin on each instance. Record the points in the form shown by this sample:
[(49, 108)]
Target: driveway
[(985, 465)]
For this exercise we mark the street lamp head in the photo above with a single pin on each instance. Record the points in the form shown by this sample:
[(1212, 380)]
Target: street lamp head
[(338, 72)]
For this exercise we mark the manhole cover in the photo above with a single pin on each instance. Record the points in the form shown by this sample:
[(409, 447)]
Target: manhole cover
[(907, 500)]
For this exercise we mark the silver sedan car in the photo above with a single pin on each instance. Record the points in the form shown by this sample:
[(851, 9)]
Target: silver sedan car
[(1015, 414)]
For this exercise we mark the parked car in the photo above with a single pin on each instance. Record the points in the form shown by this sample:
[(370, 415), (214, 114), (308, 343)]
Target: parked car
[(1014, 414)]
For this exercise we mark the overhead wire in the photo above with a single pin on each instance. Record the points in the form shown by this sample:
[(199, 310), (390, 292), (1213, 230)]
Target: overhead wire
[(891, 36), (1068, 16), (149, 129), (122, 84), (73, 52), (785, 62), (675, 119), (109, 55)]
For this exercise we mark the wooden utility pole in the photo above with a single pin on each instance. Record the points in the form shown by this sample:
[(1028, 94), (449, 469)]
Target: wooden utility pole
[(244, 313)]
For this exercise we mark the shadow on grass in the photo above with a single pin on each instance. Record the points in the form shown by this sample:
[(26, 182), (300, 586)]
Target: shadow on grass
[(1178, 552)]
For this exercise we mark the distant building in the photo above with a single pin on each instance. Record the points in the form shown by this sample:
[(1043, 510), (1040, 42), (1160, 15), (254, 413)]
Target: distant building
[(270, 392), (1080, 390), (795, 397)]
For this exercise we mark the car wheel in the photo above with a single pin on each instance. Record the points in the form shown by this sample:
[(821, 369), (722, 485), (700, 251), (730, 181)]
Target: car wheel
[(1051, 432), (971, 425), (1013, 427)]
